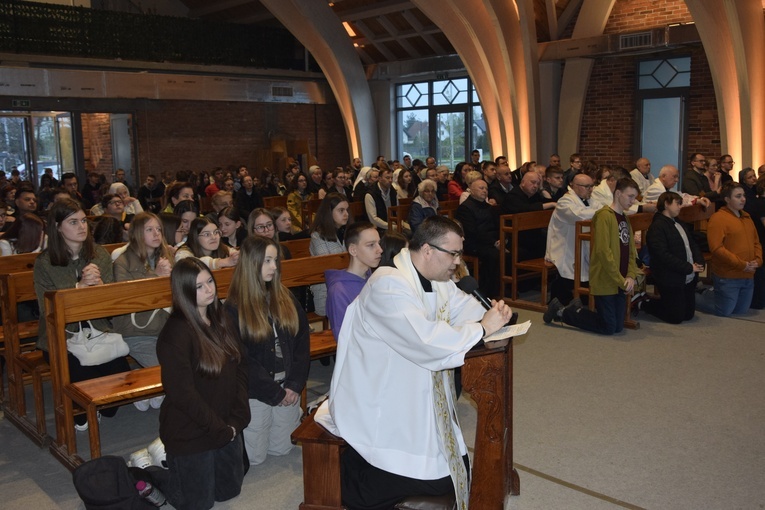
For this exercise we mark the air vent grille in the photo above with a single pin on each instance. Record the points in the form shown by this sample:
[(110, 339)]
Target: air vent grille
[(282, 91), (635, 40)]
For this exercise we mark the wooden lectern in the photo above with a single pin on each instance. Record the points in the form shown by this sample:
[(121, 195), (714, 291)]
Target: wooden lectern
[(488, 377)]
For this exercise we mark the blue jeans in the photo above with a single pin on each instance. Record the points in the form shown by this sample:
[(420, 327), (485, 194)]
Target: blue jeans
[(606, 320), (732, 295)]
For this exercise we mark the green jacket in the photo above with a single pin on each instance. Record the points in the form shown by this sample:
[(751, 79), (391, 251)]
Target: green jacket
[(49, 277), (605, 278)]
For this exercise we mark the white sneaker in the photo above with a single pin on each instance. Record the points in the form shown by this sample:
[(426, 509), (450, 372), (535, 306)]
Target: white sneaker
[(140, 459), (142, 405), (84, 426), (157, 451), (156, 402)]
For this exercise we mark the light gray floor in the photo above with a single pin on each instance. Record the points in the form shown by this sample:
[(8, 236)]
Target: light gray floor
[(665, 417)]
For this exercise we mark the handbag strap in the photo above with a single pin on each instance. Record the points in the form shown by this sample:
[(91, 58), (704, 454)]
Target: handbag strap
[(153, 314)]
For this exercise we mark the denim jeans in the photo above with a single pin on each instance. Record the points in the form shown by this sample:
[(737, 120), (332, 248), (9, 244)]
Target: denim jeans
[(606, 320), (732, 295)]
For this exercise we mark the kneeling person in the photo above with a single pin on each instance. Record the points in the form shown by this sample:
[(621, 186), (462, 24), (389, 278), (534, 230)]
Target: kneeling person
[(392, 396)]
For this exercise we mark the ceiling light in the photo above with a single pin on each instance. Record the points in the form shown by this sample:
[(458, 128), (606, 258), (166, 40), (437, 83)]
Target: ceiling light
[(348, 29)]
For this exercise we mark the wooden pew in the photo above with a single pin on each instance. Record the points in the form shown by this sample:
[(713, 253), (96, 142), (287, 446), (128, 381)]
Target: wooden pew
[(584, 233), (26, 362), (488, 377), (308, 210), (299, 248), (397, 216), (510, 227), (277, 201), (698, 216), (11, 264), (70, 305), (357, 211), (448, 207)]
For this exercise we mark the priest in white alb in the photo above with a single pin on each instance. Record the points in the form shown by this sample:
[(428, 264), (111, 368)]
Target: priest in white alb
[(392, 396)]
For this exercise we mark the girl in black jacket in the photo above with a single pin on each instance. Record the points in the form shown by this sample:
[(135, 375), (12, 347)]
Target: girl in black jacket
[(275, 333)]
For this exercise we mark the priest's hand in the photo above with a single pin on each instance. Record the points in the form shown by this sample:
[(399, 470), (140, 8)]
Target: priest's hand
[(496, 317)]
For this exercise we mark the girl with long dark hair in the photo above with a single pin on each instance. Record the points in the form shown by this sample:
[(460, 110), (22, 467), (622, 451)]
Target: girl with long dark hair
[(73, 260), (327, 232), (204, 375), (204, 243)]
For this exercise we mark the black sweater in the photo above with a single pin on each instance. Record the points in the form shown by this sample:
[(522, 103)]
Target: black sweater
[(198, 410)]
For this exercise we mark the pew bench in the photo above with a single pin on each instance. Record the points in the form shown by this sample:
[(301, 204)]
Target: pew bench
[(110, 391), (397, 217), (275, 201), (25, 362), (11, 264), (72, 305), (299, 248), (510, 228), (308, 211)]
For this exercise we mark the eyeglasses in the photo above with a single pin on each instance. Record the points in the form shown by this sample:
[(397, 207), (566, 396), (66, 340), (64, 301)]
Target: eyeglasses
[(586, 186), (116, 202), (263, 228), (454, 253), (214, 233)]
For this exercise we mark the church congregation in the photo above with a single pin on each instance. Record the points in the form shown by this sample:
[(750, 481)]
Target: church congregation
[(262, 253)]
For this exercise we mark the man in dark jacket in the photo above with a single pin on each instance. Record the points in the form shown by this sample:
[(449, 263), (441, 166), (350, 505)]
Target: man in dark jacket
[(676, 261), (694, 180), (526, 198), (247, 198), (481, 225)]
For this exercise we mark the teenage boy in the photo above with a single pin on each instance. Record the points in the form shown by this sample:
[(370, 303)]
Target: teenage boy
[(612, 268), (363, 242)]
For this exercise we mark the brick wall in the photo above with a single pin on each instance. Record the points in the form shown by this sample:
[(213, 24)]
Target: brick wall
[(632, 15), (608, 121), (199, 135)]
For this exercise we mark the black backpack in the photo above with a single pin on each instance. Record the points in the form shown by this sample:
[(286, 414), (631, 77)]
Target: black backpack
[(107, 483)]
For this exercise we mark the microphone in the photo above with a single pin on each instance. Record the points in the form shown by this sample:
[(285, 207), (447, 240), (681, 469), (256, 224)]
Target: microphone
[(469, 285)]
